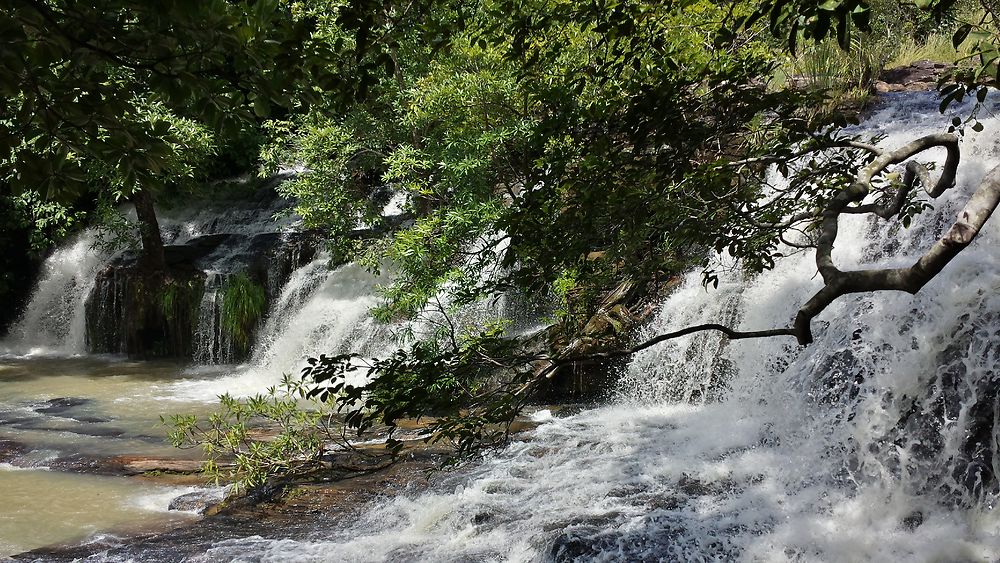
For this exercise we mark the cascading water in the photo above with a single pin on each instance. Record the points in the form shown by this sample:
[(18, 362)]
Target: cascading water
[(319, 311), (326, 311), (212, 343), (249, 236), (54, 320), (876, 443), (88, 300)]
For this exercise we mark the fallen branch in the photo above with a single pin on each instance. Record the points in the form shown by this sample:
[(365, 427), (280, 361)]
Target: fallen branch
[(558, 362)]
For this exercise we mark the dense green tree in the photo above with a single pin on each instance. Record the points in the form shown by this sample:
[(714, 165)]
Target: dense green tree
[(112, 88), (549, 147), (650, 129)]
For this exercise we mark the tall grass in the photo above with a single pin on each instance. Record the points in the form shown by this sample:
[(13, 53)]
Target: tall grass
[(900, 35), (825, 65), (936, 47), (243, 303)]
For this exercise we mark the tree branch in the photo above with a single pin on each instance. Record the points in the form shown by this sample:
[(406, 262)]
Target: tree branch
[(838, 283)]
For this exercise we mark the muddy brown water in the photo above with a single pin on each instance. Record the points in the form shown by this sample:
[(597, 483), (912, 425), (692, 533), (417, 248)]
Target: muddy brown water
[(61, 420)]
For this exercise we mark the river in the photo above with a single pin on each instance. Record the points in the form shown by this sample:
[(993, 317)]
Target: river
[(878, 442)]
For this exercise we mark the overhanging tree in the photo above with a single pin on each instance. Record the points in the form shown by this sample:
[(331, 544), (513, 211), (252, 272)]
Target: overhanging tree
[(640, 136), (77, 80), (650, 175)]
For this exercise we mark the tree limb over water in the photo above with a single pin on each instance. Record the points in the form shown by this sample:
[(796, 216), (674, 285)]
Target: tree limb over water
[(849, 200)]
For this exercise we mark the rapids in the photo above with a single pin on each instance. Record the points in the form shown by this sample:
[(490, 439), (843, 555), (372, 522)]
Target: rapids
[(858, 447), (750, 450)]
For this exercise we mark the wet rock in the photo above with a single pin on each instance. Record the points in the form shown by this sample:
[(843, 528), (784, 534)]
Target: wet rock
[(605, 543), (197, 501), (595, 521), (98, 432), (913, 520), (624, 491), (89, 419), (964, 468), (147, 465), (664, 502), (16, 421), (574, 546), (693, 487), (519, 426), (569, 409), (11, 450), (196, 249), (62, 404), (483, 518)]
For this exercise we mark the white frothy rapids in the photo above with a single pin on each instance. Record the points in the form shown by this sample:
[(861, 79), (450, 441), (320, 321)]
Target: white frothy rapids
[(847, 450), (326, 311), (319, 311), (54, 320)]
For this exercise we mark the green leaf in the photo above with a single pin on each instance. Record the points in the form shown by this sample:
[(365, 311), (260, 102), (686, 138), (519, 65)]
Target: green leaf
[(843, 33), (960, 34)]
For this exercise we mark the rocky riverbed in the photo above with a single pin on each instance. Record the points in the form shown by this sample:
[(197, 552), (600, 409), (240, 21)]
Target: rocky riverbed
[(291, 509)]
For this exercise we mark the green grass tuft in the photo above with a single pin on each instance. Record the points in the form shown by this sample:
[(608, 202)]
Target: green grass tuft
[(243, 303)]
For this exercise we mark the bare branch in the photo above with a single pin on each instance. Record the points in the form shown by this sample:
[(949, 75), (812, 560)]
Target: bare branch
[(862, 185), (554, 364), (968, 224), (837, 283), (914, 170)]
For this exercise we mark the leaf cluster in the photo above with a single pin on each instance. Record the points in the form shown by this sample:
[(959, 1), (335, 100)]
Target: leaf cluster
[(252, 442), (243, 302), (448, 383)]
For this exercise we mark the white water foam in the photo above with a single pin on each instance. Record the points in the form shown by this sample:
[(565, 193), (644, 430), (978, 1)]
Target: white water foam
[(54, 321), (319, 311)]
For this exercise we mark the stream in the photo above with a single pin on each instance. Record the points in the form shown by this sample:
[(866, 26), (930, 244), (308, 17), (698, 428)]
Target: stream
[(879, 442)]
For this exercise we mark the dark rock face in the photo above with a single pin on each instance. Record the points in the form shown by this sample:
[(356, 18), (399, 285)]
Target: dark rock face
[(131, 313), (18, 268), (276, 257), (951, 431), (917, 77)]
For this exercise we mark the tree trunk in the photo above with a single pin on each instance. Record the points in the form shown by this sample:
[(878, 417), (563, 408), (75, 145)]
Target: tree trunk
[(152, 258)]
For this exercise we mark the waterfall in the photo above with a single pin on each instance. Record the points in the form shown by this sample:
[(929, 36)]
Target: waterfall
[(326, 311), (54, 320), (876, 443), (319, 311), (88, 300), (212, 345)]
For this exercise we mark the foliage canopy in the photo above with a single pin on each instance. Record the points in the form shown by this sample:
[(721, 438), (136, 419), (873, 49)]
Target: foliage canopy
[(552, 149)]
